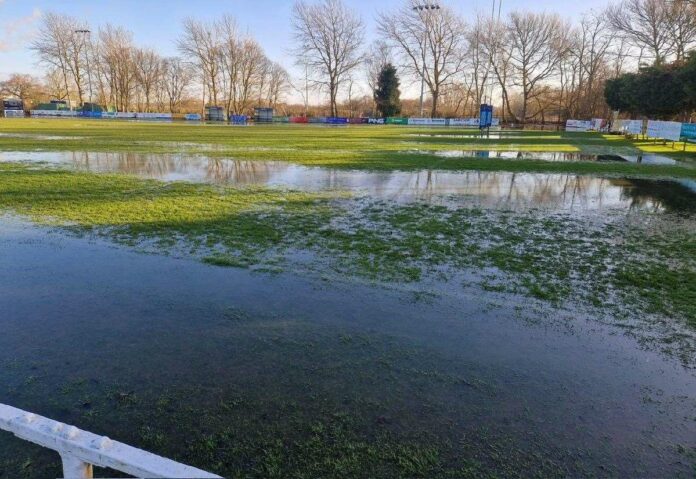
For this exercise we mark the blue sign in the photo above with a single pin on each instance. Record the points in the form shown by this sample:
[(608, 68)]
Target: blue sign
[(486, 116), (688, 131)]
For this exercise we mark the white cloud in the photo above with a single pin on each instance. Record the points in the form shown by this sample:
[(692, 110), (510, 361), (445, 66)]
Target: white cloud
[(16, 33)]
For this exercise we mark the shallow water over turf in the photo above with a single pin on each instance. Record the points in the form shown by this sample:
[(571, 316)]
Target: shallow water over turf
[(174, 356), (487, 189)]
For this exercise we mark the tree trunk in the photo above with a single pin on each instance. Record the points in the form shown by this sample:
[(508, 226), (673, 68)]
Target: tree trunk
[(433, 109)]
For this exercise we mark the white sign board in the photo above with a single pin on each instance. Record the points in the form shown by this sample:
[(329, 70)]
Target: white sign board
[(671, 130), (578, 125), (473, 122), (667, 130), (653, 130), (54, 113), (427, 121), (633, 127)]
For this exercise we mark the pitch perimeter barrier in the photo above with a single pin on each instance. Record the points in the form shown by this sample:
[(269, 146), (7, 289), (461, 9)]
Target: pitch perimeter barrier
[(13, 113), (666, 130), (336, 120), (688, 131)]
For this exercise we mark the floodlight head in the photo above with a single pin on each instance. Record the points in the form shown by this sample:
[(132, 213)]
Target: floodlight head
[(427, 6)]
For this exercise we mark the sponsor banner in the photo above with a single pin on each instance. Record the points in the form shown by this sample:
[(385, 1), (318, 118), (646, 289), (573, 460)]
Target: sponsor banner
[(336, 120), (671, 130), (357, 121), (238, 119), (153, 116), (462, 122), (192, 117), (428, 121), (281, 119), (55, 113), (653, 130), (14, 113), (578, 125), (633, 127), (299, 119), (318, 119), (598, 124), (397, 121), (125, 114), (90, 114), (376, 121), (688, 131), (667, 130)]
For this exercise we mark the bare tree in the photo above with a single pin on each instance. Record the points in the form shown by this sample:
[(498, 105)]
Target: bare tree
[(22, 86), (537, 45), (278, 83), (54, 84), (682, 19), (116, 62), (148, 73), (176, 78), (430, 42), (59, 44), (328, 38), (378, 56), (477, 62), (646, 23), (200, 42), (498, 47)]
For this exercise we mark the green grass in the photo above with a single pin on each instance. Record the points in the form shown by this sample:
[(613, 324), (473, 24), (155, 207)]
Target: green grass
[(366, 147)]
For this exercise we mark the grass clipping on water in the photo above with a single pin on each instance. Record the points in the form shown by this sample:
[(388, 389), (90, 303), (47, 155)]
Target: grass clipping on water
[(644, 264)]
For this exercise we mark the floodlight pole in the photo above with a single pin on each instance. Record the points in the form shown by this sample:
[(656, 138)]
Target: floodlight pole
[(85, 33), (420, 8)]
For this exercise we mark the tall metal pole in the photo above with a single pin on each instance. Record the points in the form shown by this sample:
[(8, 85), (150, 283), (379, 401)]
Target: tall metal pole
[(420, 8), (85, 33)]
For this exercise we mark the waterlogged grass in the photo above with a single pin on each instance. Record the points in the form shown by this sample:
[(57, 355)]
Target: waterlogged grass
[(373, 148), (372, 406), (636, 264)]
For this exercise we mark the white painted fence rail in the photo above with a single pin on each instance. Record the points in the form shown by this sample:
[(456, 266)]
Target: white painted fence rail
[(80, 450)]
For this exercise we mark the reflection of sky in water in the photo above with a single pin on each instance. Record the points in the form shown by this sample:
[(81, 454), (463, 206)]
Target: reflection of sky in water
[(492, 189)]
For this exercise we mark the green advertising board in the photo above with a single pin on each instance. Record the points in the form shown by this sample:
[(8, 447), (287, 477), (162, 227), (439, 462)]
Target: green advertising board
[(397, 121)]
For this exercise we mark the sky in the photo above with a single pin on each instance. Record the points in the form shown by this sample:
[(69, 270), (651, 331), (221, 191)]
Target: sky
[(157, 23)]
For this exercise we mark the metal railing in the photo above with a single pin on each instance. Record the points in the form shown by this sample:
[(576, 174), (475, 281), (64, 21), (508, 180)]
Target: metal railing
[(81, 450)]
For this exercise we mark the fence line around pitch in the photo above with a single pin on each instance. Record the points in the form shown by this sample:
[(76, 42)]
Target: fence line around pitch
[(81, 450)]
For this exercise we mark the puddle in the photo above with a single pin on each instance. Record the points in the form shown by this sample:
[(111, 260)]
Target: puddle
[(487, 189), (552, 156), (39, 136)]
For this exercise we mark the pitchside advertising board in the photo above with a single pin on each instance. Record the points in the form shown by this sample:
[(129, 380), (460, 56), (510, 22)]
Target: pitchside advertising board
[(633, 127), (578, 125), (688, 131), (667, 130), (486, 116)]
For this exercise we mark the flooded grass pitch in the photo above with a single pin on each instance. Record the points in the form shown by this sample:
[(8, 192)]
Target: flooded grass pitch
[(272, 318)]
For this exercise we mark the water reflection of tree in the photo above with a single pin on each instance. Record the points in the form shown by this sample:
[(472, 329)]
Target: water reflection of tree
[(671, 195), (501, 189)]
